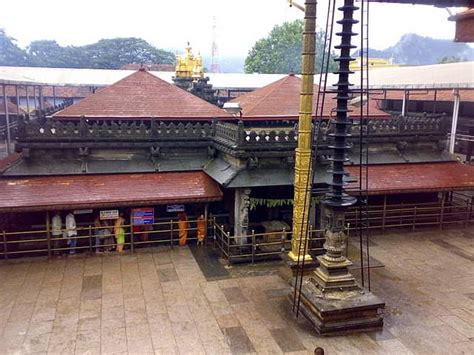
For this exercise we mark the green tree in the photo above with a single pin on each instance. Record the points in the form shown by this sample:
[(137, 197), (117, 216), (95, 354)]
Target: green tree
[(10, 53), (105, 54), (45, 53), (451, 59), (114, 53), (280, 51)]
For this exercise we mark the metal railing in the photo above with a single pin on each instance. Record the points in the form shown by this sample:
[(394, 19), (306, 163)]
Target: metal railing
[(254, 247), (439, 214), (88, 239), (260, 246), (462, 137)]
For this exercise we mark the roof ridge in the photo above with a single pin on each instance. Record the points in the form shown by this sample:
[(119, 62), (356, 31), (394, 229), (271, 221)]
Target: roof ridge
[(91, 97), (275, 85), (143, 96)]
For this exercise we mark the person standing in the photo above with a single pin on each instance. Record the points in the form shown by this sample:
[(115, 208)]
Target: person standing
[(183, 228), (108, 237), (71, 232), (119, 232), (56, 231), (201, 230), (99, 234)]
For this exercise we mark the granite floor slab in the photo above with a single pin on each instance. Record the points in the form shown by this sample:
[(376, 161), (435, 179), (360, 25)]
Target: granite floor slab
[(184, 301)]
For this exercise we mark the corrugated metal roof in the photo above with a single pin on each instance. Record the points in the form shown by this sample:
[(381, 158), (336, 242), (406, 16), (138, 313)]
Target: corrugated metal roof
[(439, 3), (460, 75), (426, 95)]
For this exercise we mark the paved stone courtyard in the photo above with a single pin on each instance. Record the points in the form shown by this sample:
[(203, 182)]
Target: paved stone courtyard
[(159, 301)]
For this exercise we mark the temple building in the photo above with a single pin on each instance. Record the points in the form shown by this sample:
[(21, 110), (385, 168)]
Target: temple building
[(189, 76), (143, 142), (455, 103)]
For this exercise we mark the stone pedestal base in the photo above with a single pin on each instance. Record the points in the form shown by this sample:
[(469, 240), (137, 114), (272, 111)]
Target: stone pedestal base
[(338, 312), (292, 269), (307, 269)]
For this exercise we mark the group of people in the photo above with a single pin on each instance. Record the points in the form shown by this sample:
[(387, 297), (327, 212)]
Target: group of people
[(102, 232), (105, 231), (183, 227), (69, 233), (105, 238)]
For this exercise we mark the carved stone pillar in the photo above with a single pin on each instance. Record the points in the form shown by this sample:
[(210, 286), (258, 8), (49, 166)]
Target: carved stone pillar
[(241, 215), (332, 277)]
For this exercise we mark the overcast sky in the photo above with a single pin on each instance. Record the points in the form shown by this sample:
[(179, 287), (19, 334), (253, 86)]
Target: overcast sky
[(170, 24)]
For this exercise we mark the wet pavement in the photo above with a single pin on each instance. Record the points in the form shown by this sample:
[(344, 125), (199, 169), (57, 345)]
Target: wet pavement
[(170, 301)]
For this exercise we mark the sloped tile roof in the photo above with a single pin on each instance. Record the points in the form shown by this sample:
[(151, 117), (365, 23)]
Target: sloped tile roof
[(280, 100), (88, 191), (8, 161), (142, 95), (12, 108), (151, 67), (417, 177)]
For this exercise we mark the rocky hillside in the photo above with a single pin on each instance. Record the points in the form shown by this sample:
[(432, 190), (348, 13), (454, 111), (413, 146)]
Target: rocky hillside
[(413, 49)]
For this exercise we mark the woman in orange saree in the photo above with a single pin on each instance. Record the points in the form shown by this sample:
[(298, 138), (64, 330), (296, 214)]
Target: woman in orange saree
[(183, 228), (201, 229)]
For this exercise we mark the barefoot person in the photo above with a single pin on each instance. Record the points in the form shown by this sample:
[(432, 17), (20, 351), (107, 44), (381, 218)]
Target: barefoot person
[(201, 229), (183, 228), (119, 232)]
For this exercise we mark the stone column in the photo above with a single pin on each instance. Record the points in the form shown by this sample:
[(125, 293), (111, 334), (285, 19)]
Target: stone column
[(241, 214)]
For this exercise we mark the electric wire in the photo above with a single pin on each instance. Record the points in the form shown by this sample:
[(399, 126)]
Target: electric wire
[(363, 208), (360, 219), (367, 150)]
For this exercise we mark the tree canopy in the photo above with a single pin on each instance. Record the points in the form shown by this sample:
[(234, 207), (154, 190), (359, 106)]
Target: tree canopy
[(280, 51), (451, 59), (114, 53), (105, 54), (10, 53)]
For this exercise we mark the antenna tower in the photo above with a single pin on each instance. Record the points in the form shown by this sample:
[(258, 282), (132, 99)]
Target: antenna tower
[(215, 56)]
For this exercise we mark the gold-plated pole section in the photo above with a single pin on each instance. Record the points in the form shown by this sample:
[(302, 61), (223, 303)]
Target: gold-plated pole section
[(303, 173)]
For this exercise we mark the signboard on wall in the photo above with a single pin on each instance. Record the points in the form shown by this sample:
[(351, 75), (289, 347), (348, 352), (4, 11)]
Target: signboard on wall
[(109, 214), (142, 216), (88, 211), (174, 208)]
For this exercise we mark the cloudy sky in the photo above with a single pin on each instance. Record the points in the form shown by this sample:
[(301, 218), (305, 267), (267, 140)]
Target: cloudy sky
[(170, 24)]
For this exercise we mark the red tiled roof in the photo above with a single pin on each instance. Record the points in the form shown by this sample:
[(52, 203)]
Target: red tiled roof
[(427, 95), (12, 108), (142, 95), (464, 26), (8, 161), (419, 177), (152, 67), (87, 191), (280, 100), (469, 13)]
